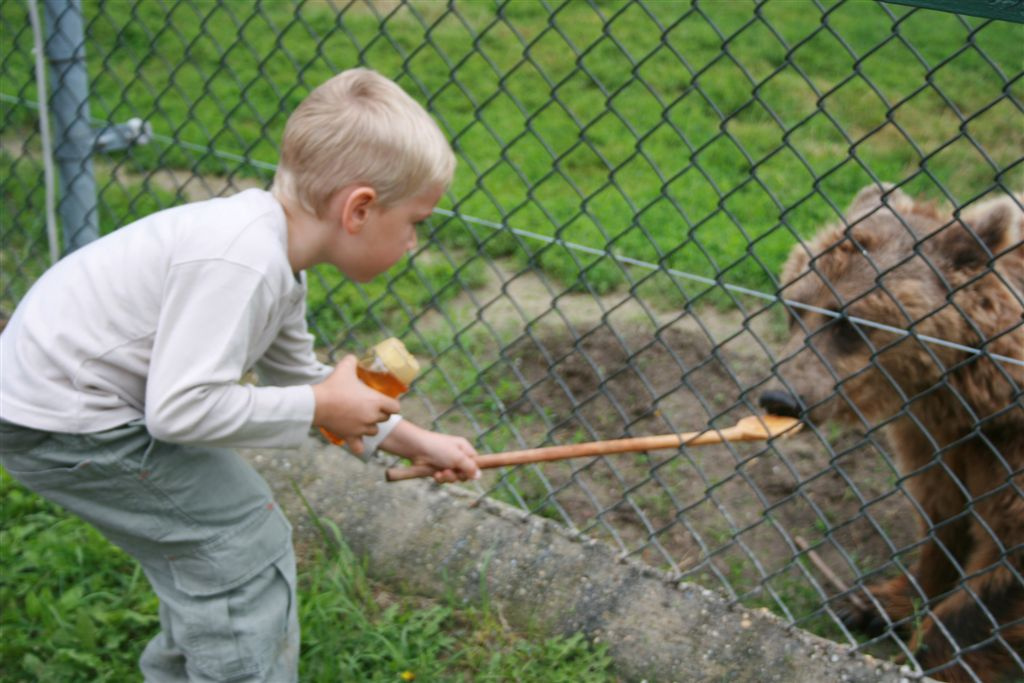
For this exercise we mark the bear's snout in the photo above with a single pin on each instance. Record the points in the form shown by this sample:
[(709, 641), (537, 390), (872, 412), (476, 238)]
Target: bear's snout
[(780, 403)]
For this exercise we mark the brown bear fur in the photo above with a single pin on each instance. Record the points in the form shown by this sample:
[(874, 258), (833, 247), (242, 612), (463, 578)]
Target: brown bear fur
[(954, 420)]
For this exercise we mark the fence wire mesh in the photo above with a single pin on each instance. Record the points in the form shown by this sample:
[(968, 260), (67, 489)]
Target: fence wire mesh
[(610, 260)]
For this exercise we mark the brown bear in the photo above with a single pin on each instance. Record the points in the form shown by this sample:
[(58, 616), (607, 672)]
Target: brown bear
[(953, 417)]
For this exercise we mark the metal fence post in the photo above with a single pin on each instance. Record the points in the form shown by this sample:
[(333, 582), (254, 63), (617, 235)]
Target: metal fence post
[(74, 137)]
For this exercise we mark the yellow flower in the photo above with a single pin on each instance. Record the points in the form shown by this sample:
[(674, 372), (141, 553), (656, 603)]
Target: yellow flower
[(408, 676)]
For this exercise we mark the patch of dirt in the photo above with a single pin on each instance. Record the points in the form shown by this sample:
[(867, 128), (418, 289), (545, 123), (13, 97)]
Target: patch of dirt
[(738, 518), (684, 507)]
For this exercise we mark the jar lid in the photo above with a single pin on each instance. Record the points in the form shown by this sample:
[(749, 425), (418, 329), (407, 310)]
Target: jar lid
[(397, 359)]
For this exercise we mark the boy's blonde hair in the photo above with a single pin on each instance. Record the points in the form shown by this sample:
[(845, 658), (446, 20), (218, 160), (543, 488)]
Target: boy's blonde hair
[(360, 127)]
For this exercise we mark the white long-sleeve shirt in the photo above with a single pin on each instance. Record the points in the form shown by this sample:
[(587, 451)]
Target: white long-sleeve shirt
[(159, 320)]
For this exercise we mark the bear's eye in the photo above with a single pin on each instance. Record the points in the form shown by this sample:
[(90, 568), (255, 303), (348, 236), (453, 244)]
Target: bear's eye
[(844, 334), (795, 318)]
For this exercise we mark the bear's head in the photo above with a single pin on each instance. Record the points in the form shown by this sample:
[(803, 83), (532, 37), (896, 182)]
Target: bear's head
[(905, 266)]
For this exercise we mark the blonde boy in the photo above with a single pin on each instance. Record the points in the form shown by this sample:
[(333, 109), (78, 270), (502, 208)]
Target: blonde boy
[(120, 373)]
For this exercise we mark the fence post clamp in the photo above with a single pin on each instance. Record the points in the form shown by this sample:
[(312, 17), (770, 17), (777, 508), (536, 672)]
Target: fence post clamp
[(119, 136)]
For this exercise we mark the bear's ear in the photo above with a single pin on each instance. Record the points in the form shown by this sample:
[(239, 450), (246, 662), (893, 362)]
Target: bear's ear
[(988, 230), (876, 198)]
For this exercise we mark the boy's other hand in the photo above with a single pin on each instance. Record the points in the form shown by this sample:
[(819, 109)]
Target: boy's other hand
[(348, 408), (451, 456)]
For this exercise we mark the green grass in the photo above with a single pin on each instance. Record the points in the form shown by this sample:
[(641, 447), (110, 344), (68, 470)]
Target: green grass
[(24, 253), (72, 607), (702, 139), (75, 608)]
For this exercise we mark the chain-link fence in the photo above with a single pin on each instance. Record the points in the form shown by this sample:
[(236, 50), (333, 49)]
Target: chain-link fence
[(632, 178)]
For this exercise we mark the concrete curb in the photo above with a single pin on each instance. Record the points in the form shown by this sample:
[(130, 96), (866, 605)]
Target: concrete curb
[(438, 541)]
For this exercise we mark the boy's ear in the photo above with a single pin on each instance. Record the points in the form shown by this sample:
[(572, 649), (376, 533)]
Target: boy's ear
[(351, 208)]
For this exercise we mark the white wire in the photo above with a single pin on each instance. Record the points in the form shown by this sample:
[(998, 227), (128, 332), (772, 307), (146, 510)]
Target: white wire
[(629, 260), (44, 133), (734, 288)]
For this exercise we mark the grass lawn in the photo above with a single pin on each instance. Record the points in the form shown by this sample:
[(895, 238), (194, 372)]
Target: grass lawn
[(702, 139)]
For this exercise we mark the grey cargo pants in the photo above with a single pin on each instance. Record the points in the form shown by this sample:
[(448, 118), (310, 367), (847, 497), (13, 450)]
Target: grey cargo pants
[(203, 525)]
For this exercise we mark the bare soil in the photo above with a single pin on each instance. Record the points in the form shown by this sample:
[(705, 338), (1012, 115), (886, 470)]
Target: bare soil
[(743, 519)]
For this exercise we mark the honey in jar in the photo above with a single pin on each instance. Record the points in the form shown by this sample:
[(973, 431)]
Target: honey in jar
[(388, 368)]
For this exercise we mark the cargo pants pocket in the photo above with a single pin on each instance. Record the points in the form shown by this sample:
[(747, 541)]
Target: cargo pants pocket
[(237, 602)]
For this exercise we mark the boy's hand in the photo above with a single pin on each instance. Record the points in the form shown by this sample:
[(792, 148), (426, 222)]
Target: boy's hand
[(348, 408), (451, 456)]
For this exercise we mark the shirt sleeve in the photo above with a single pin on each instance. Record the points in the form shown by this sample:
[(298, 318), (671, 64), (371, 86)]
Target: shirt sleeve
[(212, 313), (372, 443), (290, 360)]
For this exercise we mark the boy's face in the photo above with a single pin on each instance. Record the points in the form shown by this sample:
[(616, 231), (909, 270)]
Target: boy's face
[(385, 235)]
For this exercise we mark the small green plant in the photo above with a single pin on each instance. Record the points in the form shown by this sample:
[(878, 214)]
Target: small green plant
[(351, 633), (72, 606)]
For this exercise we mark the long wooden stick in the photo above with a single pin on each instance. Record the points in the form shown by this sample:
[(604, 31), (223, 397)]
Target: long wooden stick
[(753, 428)]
